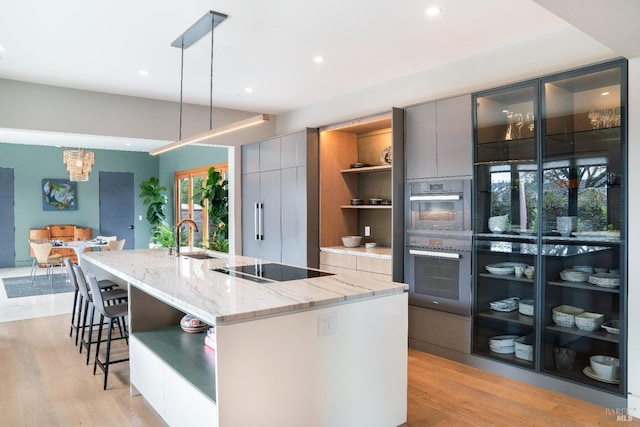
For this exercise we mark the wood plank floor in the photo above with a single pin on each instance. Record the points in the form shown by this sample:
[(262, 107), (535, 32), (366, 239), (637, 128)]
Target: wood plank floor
[(44, 382)]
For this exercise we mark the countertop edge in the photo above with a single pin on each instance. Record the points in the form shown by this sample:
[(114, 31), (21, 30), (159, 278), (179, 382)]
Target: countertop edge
[(377, 252)]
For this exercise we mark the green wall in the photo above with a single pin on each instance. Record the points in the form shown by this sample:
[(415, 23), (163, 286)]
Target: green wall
[(33, 163), (187, 158)]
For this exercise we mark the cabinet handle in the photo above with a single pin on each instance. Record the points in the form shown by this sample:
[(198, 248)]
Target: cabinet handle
[(450, 255), (261, 221), (440, 197), (255, 220)]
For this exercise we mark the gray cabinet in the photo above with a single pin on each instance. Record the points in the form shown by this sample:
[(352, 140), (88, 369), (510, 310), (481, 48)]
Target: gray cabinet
[(276, 222), (439, 139)]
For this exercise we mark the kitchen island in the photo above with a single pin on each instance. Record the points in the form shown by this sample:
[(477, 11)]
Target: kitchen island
[(317, 350)]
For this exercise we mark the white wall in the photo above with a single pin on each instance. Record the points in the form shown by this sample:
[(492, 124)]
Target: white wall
[(562, 50), (39, 107)]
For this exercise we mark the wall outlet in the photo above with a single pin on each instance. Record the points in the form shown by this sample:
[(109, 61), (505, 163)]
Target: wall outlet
[(367, 231), (327, 324), (139, 217)]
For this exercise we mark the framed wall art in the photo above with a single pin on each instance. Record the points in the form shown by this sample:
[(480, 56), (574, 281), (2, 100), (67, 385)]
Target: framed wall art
[(59, 195)]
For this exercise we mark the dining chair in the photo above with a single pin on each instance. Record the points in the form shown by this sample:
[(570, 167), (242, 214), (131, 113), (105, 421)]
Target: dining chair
[(116, 245), (106, 239), (115, 312), (117, 295), (43, 256)]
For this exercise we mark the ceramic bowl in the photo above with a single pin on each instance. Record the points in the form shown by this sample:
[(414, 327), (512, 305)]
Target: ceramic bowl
[(605, 367), (498, 224), (190, 324), (351, 241)]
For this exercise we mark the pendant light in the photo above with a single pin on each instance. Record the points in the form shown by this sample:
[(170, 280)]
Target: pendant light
[(79, 163), (194, 33)]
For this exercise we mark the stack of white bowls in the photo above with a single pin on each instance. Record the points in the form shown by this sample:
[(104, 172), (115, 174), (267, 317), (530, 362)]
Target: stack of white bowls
[(503, 344)]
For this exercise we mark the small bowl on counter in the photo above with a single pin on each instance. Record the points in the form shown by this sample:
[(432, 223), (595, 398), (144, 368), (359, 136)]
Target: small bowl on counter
[(351, 241)]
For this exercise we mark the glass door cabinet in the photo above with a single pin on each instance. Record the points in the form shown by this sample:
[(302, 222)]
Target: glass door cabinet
[(549, 225)]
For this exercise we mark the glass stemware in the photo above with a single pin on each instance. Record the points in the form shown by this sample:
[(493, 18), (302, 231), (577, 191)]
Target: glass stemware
[(529, 121), (594, 118), (518, 122)]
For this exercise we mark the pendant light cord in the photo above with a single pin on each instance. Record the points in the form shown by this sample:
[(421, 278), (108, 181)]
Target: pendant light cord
[(211, 78), (181, 80)]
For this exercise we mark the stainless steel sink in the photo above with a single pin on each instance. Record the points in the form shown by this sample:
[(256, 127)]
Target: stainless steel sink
[(199, 255)]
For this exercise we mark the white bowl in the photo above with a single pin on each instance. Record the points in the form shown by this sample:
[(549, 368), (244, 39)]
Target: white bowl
[(351, 241), (605, 367), (503, 340), (498, 224), (589, 321), (370, 245)]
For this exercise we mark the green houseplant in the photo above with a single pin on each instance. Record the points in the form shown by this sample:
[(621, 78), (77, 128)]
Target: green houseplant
[(155, 196), (216, 192)]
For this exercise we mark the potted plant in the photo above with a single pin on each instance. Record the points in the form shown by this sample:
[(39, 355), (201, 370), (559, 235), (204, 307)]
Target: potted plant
[(164, 237), (156, 197), (216, 192)]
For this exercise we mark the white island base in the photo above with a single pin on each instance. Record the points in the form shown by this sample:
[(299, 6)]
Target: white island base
[(275, 371)]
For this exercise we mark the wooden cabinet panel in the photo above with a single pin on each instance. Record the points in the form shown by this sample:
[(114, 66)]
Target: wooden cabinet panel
[(64, 232), (83, 233), (374, 265)]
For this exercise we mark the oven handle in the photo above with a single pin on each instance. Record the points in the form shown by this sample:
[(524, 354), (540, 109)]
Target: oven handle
[(435, 197), (448, 255)]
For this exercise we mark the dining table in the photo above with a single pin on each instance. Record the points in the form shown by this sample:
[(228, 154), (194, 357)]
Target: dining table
[(80, 245)]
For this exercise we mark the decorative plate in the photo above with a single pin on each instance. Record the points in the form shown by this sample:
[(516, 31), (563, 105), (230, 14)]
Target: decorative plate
[(612, 326), (386, 156), (589, 372)]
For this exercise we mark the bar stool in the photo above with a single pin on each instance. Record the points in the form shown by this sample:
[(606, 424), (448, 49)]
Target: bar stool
[(78, 297), (113, 295), (111, 312)]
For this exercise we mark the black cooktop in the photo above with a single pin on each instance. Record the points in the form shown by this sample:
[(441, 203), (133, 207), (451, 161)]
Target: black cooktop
[(271, 271)]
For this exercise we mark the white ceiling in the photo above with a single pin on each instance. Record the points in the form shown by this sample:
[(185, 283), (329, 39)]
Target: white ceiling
[(101, 45)]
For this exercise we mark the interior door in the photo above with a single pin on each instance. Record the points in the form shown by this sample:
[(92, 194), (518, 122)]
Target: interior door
[(117, 211), (7, 219)]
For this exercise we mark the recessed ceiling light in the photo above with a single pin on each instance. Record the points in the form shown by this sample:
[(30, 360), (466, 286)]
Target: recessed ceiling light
[(433, 11), (318, 59), (2, 48), (248, 89), (143, 73), (604, 93)]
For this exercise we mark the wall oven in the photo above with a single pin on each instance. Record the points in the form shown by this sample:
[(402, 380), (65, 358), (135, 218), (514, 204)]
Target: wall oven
[(438, 253)]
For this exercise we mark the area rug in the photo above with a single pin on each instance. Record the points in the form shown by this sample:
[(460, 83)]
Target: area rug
[(17, 287)]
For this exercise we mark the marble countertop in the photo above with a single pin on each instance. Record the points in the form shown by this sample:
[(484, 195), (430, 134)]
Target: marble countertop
[(216, 298), (377, 252)]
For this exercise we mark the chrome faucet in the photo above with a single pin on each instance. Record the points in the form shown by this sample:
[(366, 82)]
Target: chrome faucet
[(189, 221)]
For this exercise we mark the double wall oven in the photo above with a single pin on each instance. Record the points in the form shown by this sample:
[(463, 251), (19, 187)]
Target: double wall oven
[(438, 252)]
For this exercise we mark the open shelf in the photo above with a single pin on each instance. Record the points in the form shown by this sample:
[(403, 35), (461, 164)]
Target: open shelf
[(512, 316), (584, 285), (367, 169), (366, 206), (187, 354), (599, 334)]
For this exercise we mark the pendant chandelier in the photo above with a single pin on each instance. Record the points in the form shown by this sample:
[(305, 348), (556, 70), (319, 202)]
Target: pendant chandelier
[(79, 163), (194, 33)]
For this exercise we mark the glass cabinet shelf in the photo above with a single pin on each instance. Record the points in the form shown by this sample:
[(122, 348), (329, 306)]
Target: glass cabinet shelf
[(550, 192)]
